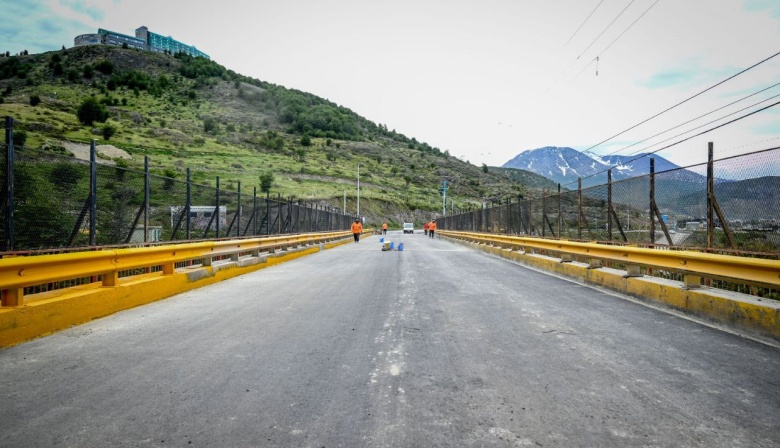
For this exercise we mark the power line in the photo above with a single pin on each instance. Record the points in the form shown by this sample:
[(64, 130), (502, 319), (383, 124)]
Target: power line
[(710, 122), (611, 43), (682, 102), (688, 138), (605, 29), (583, 23), (629, 27), (694, 119)]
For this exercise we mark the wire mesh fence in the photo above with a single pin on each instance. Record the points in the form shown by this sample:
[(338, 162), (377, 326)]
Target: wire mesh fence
[(54, 201), (727, 205)]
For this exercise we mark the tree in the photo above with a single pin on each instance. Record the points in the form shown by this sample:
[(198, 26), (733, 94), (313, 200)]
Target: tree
[(266, 180), (484, 168), (91, 111)]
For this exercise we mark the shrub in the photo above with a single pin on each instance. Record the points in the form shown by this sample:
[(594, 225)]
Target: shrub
[(210, 126), (106, 67), (266, 179), (20, 138), (88, 71), (305, 140), (108, 131), (35, 99), (91, 111)]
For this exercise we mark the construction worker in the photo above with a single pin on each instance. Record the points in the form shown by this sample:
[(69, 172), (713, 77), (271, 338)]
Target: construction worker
[(357, 229), (425, 228), (432, 228), (384, 228)]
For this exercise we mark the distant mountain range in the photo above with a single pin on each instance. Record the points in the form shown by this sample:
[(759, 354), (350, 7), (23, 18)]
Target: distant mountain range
[(678, 191), (566, 165)]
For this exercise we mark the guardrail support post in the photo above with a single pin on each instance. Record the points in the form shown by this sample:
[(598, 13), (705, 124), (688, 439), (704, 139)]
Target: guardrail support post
[(12, 297), (110, 279), (633, 271), (594, 263), (691, 281), (168, 268)]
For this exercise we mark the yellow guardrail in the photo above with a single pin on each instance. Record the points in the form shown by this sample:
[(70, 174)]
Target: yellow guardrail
[(746, 270), (17, 273)]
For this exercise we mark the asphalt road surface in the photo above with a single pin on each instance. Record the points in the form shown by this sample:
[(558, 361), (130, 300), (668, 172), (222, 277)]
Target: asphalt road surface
[(434, 346)]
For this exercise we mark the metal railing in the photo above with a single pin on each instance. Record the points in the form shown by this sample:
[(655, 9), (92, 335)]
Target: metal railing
[(20, 276), (53, 201), (692, 265), (730, 205)]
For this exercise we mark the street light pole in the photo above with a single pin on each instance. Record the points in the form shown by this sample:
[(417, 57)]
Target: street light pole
[(358, 192)]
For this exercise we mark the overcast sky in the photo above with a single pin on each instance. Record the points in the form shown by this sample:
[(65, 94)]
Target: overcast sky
[(484, 80)]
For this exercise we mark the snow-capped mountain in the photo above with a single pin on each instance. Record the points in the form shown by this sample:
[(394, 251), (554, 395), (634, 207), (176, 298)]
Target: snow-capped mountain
[(566, 165)]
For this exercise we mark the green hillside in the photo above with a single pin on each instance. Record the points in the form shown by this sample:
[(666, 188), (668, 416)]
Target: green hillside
[(193, 113)]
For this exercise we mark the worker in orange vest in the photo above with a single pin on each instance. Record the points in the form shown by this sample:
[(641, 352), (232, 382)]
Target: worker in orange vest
[(357, 229), (384, 228), (432, 228), (425, 228)]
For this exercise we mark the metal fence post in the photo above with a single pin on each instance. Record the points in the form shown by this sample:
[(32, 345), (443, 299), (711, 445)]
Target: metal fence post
[(579, 208), (217, 209), (92, 194), (710, 194), (9, 184), (652, 200), (188, 206), (238, 211), (559, 213), (609, 205), (544, 212), (146, 199), (254, 211)]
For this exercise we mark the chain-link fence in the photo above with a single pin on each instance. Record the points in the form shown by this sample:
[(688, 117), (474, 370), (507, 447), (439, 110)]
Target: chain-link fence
[(728, 205), (55, 201)]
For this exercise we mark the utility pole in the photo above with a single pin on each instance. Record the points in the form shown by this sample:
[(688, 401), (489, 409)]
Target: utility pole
[(358, 192), (444, 198)]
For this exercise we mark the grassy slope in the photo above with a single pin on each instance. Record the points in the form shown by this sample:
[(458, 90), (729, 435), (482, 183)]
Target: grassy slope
[(398, 179)]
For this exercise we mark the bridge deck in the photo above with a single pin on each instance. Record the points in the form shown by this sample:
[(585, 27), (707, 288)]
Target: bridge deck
[(437, 345)]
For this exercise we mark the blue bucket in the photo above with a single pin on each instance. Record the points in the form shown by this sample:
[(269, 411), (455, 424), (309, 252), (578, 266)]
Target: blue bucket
[(400, 246)]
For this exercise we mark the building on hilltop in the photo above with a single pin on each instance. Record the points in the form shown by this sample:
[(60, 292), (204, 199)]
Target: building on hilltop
[(160, 43), (143, 40)]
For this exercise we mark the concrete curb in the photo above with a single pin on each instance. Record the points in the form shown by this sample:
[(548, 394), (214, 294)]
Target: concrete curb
[(743, 313), (57, 310)]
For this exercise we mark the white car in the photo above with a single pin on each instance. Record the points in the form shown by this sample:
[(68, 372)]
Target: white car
[(408, 227)]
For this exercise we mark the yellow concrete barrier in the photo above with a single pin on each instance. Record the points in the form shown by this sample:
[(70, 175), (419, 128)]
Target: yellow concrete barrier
[(40, 314), (747, 314)]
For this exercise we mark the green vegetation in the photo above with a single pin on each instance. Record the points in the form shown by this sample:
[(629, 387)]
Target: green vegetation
[(186, 112)]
